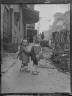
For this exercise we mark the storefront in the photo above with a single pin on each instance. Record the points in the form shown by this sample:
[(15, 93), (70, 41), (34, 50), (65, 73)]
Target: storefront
[(15, 20), (30, 17), (30, 35)]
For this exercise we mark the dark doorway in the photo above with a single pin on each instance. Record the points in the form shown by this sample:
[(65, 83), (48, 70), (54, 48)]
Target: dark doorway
[(30, 34)]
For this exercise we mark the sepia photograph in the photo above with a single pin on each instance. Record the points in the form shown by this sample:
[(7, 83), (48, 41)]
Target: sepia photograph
[(35, 48)]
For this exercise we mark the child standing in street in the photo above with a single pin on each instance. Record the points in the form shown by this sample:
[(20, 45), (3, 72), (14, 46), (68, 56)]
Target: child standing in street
[(35, 54), (24, 55)]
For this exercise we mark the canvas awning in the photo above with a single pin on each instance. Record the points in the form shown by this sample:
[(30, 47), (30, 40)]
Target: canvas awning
[(30, 16)]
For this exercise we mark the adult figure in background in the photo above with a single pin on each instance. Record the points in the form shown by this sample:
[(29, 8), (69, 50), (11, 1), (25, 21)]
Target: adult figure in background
[(31, 38), (42, 36), (28, 38)]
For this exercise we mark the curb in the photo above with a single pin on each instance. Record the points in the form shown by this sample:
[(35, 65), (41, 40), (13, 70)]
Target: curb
[(9, 66), (15, 54)]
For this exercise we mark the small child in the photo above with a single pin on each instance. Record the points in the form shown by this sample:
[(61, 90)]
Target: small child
[(24, 56), (35, 53)]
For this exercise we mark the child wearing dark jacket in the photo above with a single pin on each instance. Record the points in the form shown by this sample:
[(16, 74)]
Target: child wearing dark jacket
[(24, 55), (35, 54)]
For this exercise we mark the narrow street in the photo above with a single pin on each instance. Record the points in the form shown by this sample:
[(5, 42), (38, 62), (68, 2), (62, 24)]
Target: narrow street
[(48, 79), (45, 26)]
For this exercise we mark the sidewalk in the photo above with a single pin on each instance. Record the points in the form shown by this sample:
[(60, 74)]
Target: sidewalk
[(8, 59), (48, 80)]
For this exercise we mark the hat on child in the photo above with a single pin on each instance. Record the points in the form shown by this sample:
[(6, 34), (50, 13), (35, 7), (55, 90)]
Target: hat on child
[(25, 42)]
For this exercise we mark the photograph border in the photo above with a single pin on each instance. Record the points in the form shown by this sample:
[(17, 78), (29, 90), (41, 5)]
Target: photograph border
[(54, 2)]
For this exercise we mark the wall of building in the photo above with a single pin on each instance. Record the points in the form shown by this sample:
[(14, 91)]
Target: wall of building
[(6, 24), (2, 12), (21, 33), (16, 7), (17, 25), (12, 27), (13, 24)]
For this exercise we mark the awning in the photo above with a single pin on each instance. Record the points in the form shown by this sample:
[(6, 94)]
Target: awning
[(30, 16)]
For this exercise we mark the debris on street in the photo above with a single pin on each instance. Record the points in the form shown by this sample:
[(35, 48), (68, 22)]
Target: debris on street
[(61, 53)]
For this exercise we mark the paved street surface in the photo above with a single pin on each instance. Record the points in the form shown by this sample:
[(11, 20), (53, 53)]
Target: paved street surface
[(48, 80)]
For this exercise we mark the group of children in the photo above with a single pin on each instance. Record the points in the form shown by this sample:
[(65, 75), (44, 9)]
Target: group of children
[(24, 55)]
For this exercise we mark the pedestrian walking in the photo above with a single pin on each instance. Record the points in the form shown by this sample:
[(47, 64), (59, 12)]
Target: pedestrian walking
[(35, 55), (42, 36), (24, 55)]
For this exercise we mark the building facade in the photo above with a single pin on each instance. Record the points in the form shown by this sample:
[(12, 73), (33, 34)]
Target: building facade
[(5, 24), (15, 21), (9, 22)]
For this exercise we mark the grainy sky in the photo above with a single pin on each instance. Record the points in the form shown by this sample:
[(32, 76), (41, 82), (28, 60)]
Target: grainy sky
[(46, 12)]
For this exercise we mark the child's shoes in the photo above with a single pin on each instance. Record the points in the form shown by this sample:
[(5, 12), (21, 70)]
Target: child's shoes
[(35, 72), (25, 69)]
